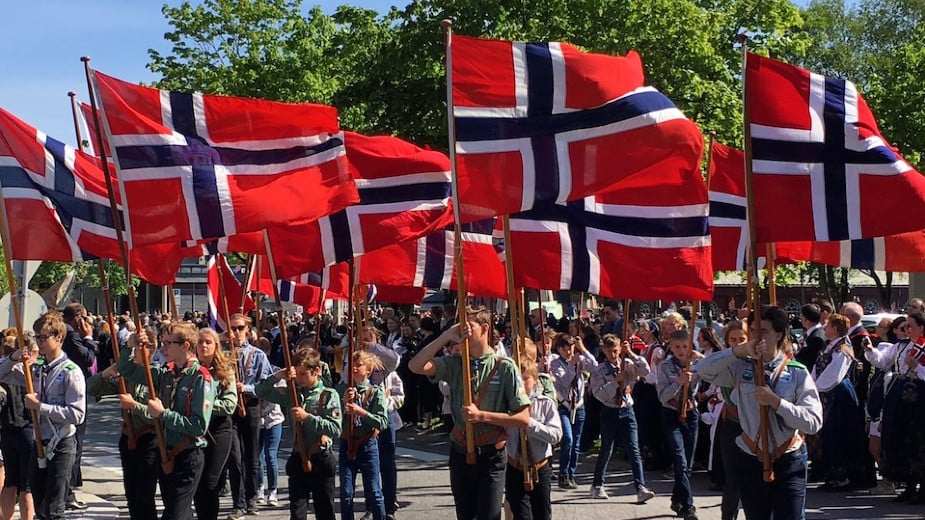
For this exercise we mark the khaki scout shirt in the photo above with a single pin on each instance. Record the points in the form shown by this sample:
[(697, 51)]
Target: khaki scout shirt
[(98, 386), (504, 393), (322, 404)]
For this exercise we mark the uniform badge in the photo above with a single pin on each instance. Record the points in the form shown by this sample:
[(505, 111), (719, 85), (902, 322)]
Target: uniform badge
[(335, 412), (786, 377), (748, 375)]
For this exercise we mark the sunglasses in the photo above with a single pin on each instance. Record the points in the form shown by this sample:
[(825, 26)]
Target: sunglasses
[(239, 328), (171, 342), (44, 337)]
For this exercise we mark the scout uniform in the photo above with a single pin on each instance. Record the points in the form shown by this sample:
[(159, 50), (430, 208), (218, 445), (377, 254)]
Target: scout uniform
[(317, 432), (800, 412), (359, 452), (216, 453), (570, 392), (139, 461), (244, 463), (61, 387), (618, 419), (187, 393), (680, 433), (497, 387), (544, 431)]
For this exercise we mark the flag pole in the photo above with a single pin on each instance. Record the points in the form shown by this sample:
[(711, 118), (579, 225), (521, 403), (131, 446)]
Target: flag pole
[(166, 459), (249, 268), (318, 316), (771, 264), (223, 296), (626, 319), (752, 289), (685, 400), (353, 333), (172, 299), (293, 394), (529, 470), (18, 318), (107, 298), (457, 234)]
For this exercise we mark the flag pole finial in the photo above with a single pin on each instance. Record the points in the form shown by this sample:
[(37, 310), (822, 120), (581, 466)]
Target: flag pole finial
[(446, 23)]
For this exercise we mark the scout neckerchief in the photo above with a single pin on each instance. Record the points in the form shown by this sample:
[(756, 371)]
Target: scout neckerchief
[(50, 371), (368, 388)]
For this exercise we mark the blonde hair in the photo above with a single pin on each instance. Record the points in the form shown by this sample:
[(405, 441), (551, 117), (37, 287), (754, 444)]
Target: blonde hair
[(367, 359), (186, 331), (220, 363)]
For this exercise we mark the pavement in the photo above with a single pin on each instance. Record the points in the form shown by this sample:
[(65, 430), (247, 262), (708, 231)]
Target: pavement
[(424, 492)]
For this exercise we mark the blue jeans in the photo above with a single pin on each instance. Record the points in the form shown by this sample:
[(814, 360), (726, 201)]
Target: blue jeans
[(367, 463), (571, 439), (682, 439), (785, 497), (619, 423), (269, 447), (388, 469)]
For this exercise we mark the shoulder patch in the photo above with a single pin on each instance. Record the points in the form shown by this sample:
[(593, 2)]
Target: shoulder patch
[(796, 364), (70, 366), (509, 361), (206, 375)]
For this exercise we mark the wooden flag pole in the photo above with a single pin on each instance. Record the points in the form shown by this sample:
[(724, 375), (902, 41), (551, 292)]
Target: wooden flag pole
[(770, 256), (318, 317), (626, 319), (172, 299), (166, 459), (461, 306), (18, 318), (223, 297), (752, 288), (127, 426), (284, 337), (529, 470)]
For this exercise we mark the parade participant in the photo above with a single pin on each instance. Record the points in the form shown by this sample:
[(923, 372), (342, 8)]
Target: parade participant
[(188, 392), (395, 396), (365, 415), (544, 431), (545, 382), (612, 384), (498, 402), (59, 400), (680, 427), (17, 440), (573, 359), (309, 341), (728, 429), (843, 431), (81, 349), (813, 336), (645, 396), (244, 462), (318, 414), (139, 462), (220, 431), (793, 409), (388, 358)]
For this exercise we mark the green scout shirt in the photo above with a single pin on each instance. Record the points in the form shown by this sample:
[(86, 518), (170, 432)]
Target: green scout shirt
[(326, 378), (98, 386), (226, 397), (504, 393), (548, 386), (372, 399), (187, 393), (323, 419)]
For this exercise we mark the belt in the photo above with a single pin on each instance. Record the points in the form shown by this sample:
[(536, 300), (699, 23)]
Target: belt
[(514, 462), (484, 449)]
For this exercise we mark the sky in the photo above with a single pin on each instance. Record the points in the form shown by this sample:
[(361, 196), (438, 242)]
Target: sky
[(42, 42)]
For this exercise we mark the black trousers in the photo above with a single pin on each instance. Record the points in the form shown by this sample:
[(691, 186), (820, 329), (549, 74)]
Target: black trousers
[(317, 485), (244, 463), (726, 432), (529, 505), (478, 489), (785, 498), (138, 466), (178, 488), (49, 484), (215, 455)]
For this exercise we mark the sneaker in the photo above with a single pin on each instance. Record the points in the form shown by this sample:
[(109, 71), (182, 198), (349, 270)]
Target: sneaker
[(76, 505), (563, 482), (237, 514), (688, 513), (884, 487), (367, 516), (252, 508), (644, 495), (598, 492), (572, 484), (272, 501), (676, 508), (260, 500)]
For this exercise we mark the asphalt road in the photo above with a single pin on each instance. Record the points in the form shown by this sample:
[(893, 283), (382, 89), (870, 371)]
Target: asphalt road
[(424, 485)]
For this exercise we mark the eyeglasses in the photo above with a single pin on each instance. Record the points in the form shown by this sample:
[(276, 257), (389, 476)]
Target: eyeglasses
[(239, 328), (44, 337), (172, 342)]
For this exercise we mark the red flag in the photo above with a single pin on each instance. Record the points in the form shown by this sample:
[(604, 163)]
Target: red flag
[(58, 208), (197, 166), (218, 268), (541, 123), (428, 262), (821, 168), (87, 112), (404, 194)]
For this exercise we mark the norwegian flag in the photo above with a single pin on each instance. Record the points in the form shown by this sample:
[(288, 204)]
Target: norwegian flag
[(57, 205), (248, 243), (541, 123), (728, 208), (428, 262), (648, 238), (87, 112), (821, 168), (217, 270), (398, 295), (334, 279), (897, 253), (196, 166), (404, 194)]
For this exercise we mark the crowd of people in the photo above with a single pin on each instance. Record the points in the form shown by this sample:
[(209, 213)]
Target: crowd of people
[(741, 396)]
